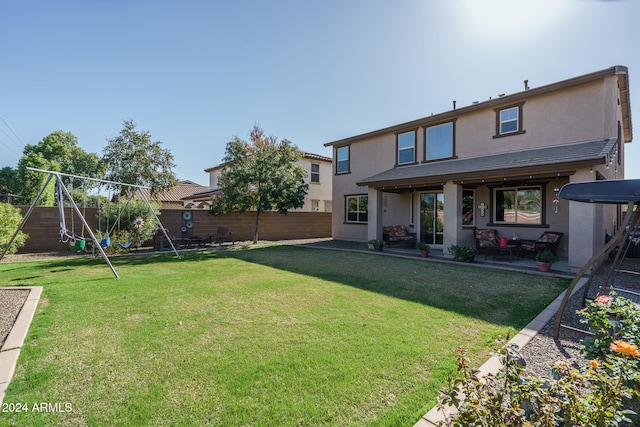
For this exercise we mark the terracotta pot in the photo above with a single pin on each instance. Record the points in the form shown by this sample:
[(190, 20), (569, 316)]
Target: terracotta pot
[(424, 254), (544, 266)]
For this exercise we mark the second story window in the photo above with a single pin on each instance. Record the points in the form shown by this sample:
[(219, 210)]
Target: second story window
[(439, 141), (315, 172), (406, 143), (342, 156), (509, 121)]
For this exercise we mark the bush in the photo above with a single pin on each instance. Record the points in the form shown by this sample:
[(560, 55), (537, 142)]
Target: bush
[(136, 224), (596, 395), (462, 253), (10, 220)]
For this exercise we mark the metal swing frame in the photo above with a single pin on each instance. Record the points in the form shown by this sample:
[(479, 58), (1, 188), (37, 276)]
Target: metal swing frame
[(606, 192), (62, 191)]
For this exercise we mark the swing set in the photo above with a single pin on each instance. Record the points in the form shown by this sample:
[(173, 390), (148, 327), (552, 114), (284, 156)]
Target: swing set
[(77, 243)]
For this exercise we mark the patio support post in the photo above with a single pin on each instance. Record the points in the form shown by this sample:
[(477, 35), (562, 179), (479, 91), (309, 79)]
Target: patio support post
[(374, 227), (452, 221), (584, 219)]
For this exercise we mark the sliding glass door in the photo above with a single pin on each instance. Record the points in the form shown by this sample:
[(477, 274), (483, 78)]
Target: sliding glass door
[(432, 217)]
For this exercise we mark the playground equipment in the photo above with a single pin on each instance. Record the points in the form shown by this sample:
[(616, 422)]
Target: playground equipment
[(69, 235), (608, 192)]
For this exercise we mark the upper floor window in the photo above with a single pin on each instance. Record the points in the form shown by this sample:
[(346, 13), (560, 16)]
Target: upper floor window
[(439, 141), (342, 154), (509, 120), (406, 143), (518, 205), (357, 208), (315, 172)]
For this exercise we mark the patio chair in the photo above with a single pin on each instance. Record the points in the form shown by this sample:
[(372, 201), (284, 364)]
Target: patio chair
[(485, 237), (548, 240), (223, 234)]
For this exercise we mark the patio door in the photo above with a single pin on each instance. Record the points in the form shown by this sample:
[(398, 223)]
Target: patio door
[(432, 217)]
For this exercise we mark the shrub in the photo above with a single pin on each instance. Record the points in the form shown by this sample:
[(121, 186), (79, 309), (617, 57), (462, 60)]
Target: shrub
[(462, 253), (596, 395), (10, 220)]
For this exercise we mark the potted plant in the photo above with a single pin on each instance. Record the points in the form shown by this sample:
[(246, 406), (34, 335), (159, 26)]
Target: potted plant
[(545, 258), (424, 249), (377, 244), (462, 253)]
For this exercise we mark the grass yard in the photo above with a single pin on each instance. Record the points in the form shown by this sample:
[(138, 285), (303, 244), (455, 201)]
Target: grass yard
[(267, 336)]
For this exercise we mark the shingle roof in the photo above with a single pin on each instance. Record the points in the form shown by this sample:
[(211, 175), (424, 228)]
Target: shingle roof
[(548, 159)]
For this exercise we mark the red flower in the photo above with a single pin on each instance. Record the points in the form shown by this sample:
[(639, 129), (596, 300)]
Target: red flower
[(604, 299)]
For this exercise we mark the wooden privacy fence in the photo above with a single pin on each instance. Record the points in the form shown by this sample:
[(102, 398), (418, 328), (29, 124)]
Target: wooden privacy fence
[(43, 225)]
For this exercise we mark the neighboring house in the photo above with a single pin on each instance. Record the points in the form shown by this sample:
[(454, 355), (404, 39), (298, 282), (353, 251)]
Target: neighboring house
[(318, 198), (493, 164), (172, 199)]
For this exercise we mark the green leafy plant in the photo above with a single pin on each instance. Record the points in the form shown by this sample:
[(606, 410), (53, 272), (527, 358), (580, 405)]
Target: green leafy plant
[(10, 219), (462, 253), (423, 246), (599, 394), (546, 256), (375, 242)]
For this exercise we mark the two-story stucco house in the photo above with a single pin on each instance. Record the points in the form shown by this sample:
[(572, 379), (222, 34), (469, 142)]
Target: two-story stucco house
[(495, 164), (318, 198)]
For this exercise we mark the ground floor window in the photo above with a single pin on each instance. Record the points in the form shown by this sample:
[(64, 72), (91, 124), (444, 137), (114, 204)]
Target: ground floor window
[(468, 203), (518, 205), (357, 208)]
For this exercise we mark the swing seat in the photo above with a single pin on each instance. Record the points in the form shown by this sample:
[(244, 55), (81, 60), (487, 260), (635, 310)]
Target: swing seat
[(77, 245), (105, 243), (125, 245)]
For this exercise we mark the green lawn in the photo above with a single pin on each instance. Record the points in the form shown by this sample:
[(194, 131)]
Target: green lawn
[(268, 336)]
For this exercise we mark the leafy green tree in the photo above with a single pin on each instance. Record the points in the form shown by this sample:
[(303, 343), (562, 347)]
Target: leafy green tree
[(261, 174), (132, 158), (10, 219), (59, 152), (8, 184)]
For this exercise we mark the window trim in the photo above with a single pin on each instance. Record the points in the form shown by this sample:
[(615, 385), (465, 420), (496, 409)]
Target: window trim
[(413, 161), (520, 122), (426, 141), (346, 208), (348, 160)]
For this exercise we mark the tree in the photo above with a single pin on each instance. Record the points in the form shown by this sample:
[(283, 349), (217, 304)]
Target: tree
[(10, 220), (261, 174), (132, 158), (59, 152), (8, 184)]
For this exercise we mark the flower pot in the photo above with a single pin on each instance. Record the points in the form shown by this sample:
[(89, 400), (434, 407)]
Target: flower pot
[(424, 254), (544, 266), (377, 247)]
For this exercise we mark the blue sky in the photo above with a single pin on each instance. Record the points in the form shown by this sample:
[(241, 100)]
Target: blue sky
[(196, 73)]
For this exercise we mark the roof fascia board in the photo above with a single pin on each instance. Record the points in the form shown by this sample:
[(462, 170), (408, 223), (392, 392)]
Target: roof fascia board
[(491, 103)]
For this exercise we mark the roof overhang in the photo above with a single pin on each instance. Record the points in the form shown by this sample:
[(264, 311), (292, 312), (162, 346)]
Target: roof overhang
[(618, 70), (561, 160)]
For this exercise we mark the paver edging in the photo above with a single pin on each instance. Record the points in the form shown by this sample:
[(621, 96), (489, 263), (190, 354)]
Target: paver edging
[(491, 366), (11, 348)]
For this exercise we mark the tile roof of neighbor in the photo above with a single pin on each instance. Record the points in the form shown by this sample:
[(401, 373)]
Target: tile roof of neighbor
[(305, 155), (204, 194), (548, 159), (175, 195)]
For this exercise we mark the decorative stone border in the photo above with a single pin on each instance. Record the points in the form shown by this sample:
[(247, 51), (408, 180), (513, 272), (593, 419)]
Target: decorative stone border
[(11, 348)]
